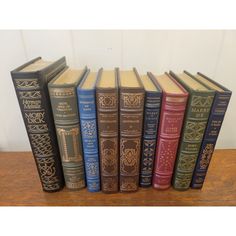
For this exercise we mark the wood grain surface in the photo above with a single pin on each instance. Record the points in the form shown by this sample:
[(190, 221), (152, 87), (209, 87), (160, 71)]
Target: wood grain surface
[(20, 186)]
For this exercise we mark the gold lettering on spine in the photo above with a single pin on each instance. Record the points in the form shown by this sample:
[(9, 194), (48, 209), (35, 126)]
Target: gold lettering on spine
[(28, 92)]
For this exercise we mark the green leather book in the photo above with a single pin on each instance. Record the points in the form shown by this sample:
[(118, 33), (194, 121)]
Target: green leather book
[(195, 121), (62, 90)]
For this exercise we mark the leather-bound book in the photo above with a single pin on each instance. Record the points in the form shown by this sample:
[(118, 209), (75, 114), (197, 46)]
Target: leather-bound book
[(88, 122), (30, 81), (196, 117), (152, 104), (217, 113), (173, 106), (107, 115), (131, 124), (63, 95)]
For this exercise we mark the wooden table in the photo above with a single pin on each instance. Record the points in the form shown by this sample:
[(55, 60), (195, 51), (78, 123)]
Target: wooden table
[(20, 186)]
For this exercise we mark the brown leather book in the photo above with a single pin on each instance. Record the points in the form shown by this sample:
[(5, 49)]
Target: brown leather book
[(131, 123), (107, 113)]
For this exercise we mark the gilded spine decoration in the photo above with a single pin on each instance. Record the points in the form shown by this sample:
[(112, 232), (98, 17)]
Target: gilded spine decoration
[(107, 111), (194, 126), (131, 121), (151, 120), (65, 111)]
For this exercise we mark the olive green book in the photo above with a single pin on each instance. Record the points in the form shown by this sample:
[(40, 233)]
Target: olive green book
[(195, 121), (63, 96)]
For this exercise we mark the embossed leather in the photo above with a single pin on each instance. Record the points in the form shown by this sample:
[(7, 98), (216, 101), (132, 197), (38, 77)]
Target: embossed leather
[(32, 93), (65, 111), (214, 124), (107, 113), (171, 120), (195, 121), (88, 123), (152, 107), (131, 124)]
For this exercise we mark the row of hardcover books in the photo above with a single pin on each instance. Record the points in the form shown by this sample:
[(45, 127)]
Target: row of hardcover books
[(116, 130)]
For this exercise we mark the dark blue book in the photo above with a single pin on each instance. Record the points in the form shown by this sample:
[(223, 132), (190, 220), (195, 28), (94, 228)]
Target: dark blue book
[(88, 123), (152, 105), (216, 117)]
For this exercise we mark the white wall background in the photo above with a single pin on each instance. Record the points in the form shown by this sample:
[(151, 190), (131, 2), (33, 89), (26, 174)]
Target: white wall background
[(210, 52)]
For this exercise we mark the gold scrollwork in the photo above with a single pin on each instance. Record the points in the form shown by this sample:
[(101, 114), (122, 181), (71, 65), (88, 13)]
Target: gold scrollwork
[(27, 83), (132, 100), (107, 100), (41, 144), (199, 101), (30, 94)]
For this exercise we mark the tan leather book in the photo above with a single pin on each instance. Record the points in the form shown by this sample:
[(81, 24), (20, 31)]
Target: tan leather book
[(131, 123)]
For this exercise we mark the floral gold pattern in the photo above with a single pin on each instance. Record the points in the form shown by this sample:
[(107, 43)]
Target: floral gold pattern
[(132, 100), (129, 160), (107, 100)]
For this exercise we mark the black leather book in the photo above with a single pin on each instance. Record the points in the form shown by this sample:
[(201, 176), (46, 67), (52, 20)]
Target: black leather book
[(30, 81)]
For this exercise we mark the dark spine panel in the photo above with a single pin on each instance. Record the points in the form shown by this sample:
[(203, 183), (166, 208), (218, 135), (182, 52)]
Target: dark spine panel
[(107, 111), (172, 114), (215, 121), (151, 119), (32, 94), (88, 123), (65, 111), (131, 123), (198, 110)]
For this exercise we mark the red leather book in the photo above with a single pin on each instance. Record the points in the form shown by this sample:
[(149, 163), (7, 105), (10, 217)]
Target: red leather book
[(171, 119)]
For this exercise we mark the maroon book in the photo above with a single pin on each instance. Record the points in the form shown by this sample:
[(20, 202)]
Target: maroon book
[(173, 106)]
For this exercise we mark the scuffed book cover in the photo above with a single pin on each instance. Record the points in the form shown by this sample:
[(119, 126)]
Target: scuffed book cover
[(88, 123), (171, 119), (131, 124), (108, 122), (196, 117), (152, 104), (32, 93), (218, 110), (63, 95)]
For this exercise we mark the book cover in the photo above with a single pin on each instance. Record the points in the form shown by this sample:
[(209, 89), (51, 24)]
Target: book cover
[(108, 122), (63, 95), (152, 104), (173, 106), (30, 81), (131, 124), (88, 122), (216, 117), (196, 117)]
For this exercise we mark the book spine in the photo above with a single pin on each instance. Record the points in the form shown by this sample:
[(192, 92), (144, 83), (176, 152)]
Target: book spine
[(131, 120), (199, 106), (215, 121), (151, 119), (32, 94), (65, 111), (107, 111), (88, 123), (172, 114)]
